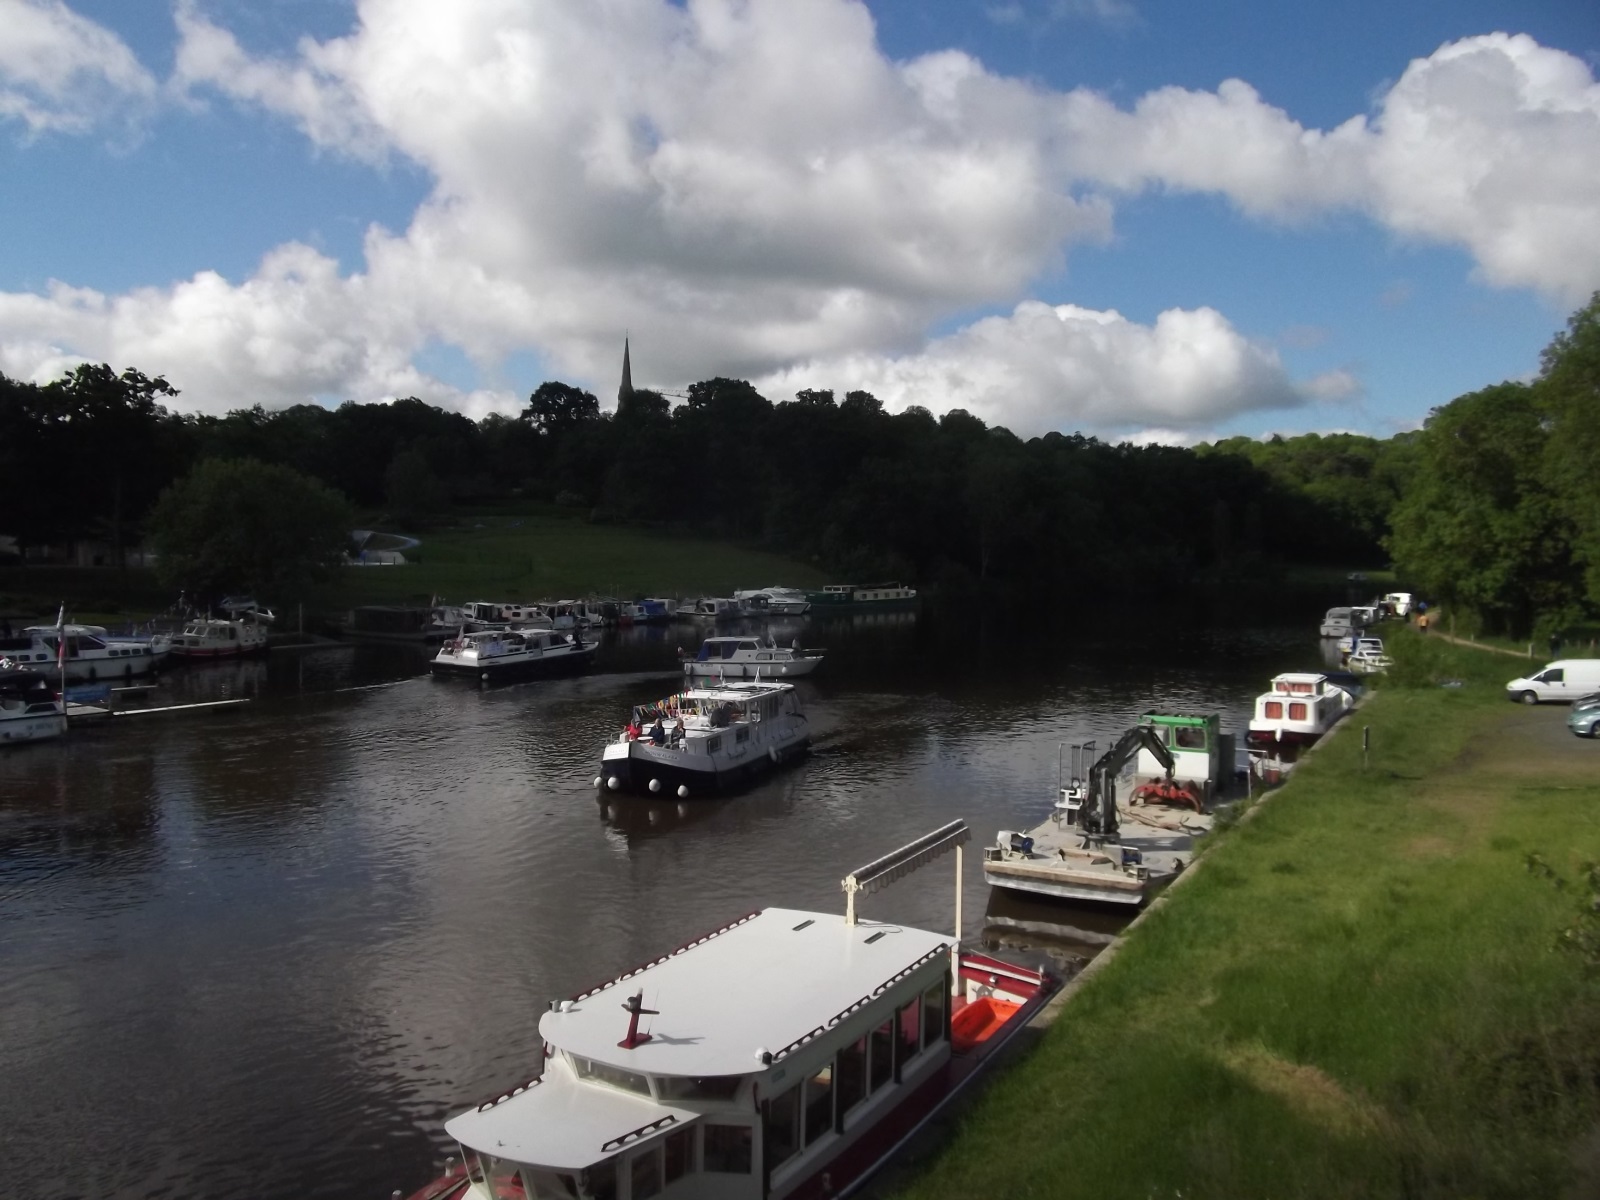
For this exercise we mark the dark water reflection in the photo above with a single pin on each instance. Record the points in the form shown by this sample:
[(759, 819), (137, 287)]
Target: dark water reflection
[(265, 951)]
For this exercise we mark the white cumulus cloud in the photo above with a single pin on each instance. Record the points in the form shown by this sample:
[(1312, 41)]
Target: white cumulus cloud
[(752, 188), (60, 72)]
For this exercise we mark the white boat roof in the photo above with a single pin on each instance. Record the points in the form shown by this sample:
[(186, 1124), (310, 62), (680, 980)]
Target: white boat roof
[(562, 1124), (737, 693), (761, 984)]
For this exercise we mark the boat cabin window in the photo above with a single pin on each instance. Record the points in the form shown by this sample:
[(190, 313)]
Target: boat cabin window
[(851, 1067), (553, 1185), (713, 745), (706, 1087), (749, 645), (780, 1128), (600, 1181), (629, 1081), (1189, 737), (726, 1149), (1273, 710), (908, 1025), (644, 1173), (881, 1070), (741, 736), (934, 1004), (678, 1154), (1297, 711), (819, 1104)]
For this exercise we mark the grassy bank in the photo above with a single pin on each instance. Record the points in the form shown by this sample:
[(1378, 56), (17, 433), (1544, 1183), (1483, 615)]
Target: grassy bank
[(1358, 994), (498, 557)]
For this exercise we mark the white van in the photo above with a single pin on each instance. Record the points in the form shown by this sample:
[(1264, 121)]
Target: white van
[(1400, 603), (1563, 680)]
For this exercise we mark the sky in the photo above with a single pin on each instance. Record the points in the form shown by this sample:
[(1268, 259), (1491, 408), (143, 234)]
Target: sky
[(1148, 220)]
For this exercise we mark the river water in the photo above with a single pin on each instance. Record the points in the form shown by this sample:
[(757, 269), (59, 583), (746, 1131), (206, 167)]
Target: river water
[(266, 951)]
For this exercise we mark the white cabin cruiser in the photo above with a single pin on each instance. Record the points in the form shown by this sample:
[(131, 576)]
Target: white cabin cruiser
[(709, 608), (503, 654), (222, 637), (783, 1055), (92, 653), (749, 658), (1294, 713), (29, 710), (712, 739), (1340, 622), (487, 614)]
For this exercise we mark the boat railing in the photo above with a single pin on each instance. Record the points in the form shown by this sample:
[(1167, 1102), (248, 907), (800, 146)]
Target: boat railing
[(689, 945), (516, 1091), (617, 1143)]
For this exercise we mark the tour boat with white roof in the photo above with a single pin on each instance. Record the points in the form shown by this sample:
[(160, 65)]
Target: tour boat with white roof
[(29, 710), (785, 1054), (92, 652), (749, 658), (502, 654), (706, 740)]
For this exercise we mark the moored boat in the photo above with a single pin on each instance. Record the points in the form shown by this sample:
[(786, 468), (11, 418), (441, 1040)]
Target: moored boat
[(221, 637), (785, 1054), (92, 652), (503, 654), (1294, 713), (781, 601), (29, 710), (709, 608), (749, 658), (713, 739), (863, 596)]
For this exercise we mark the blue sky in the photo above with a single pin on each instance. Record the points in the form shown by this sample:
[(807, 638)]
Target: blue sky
[(1058, 214)]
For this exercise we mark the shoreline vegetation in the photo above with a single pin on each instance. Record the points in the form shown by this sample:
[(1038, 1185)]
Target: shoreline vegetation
[(1360, 992)]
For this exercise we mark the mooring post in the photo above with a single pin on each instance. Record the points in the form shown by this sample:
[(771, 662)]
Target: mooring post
[(1366, 744)]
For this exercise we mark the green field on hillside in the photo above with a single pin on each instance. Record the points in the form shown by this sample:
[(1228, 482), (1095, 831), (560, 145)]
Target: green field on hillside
[(499, 557)]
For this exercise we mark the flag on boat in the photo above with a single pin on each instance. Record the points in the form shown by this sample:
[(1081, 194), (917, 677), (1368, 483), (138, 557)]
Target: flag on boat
[(61, 638)]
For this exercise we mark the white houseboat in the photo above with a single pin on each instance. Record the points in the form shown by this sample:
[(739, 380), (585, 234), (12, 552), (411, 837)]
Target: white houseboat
[(1294, 713), (712, 739), (29, 709), (749, 658), (787, 1054), (1339, 623), (497, 655), (92, 653)]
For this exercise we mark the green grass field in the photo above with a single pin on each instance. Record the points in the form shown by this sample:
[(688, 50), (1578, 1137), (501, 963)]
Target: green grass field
[(1358, 994), (492, 557)]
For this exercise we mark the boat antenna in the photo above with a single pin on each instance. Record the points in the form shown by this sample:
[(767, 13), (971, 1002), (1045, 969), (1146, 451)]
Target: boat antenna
[(634, 1007)]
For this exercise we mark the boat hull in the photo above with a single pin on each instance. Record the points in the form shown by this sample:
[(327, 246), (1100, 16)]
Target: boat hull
[(34, 727), (725, 669), (642, 763), (517, 667)]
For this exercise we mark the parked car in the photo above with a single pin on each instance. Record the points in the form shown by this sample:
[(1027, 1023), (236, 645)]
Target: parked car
[(1584, 719), (1563, 681)]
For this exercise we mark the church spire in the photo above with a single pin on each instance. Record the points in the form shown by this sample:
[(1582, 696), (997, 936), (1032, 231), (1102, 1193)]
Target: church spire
[(626, 390)]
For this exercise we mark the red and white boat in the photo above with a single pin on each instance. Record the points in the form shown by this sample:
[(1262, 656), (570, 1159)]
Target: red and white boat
[(217, 637), (785, 1054), (1294, 713)]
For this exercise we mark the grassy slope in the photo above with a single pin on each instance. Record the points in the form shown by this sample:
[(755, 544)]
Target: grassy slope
[(508, 558), (1356, 996)]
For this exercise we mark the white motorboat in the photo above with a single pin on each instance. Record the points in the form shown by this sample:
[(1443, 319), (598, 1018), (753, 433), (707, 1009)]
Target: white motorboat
[(712, 739), (503, 654), (709, 608), (653, 610), (1340, 622), (222, 637), (29, 710), (92, 653), (783, 1055), (1294, 713), (493, 614), (749, 658), (781, 601)]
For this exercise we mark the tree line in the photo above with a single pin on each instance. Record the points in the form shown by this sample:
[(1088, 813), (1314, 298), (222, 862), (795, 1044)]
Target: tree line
[(1492, 506)]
